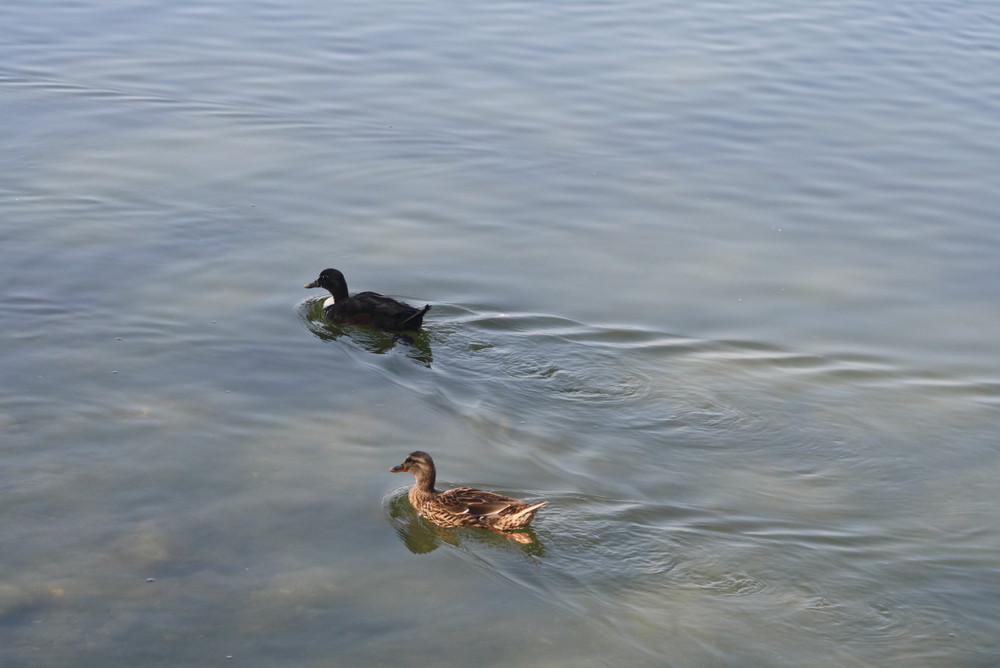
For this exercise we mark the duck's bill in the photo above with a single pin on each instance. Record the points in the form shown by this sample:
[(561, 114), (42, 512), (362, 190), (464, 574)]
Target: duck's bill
[(314, 284), (399, 469)]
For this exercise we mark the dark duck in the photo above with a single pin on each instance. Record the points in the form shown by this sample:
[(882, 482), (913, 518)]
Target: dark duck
[(366, 308)]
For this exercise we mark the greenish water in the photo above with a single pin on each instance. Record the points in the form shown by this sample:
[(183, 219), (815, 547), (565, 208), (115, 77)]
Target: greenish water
[(718, 281)]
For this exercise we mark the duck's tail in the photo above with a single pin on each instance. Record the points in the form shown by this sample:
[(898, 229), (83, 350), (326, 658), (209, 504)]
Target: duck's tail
[(417, 319), (526, 514)]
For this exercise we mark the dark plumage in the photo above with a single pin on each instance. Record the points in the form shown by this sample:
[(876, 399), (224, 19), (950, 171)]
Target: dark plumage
[(462, 506), (366, 308)]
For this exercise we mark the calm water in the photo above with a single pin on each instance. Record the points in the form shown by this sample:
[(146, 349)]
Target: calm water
[(717, 279)]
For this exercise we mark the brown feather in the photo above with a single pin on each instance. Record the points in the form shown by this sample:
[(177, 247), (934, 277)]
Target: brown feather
[(463, 506)]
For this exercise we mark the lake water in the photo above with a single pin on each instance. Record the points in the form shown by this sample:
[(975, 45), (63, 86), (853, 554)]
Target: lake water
[(719, 280)]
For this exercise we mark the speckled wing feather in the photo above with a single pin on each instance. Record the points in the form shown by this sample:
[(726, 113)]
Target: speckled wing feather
[(476, 502)]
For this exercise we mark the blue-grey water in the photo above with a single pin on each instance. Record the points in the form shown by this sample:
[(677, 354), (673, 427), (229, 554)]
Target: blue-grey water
[(719, 280)]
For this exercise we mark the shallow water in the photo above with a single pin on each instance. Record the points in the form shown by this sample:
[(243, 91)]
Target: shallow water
[(719, 281)]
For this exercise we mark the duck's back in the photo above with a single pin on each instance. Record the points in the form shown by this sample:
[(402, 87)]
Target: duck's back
[(371, 308)]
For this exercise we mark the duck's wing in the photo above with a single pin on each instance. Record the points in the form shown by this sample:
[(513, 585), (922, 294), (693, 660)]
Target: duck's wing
[(465, 500), (380, 305)]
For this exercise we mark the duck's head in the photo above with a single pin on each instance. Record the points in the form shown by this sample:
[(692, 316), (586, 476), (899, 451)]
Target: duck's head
[(332, 280), (418, 463)]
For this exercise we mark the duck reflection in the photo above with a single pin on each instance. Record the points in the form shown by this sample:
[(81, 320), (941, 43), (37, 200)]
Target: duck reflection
[(420, 536), (416, 345)]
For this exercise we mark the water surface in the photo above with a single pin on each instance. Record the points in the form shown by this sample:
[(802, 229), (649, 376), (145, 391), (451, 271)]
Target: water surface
[(719, 281)]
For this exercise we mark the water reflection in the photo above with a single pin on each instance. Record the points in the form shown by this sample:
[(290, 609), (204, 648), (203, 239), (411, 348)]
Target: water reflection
[(420, 536), (414, 345)]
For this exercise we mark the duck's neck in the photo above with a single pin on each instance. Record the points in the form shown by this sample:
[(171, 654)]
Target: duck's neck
[(339, 291), (423, 488)]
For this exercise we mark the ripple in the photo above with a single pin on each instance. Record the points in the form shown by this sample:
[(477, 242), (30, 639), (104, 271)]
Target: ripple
[(634, 538), (727, 584), (767, 432), (527, 379)]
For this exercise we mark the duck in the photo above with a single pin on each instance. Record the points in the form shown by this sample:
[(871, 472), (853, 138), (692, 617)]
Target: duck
[(462, 506), (366, 308)]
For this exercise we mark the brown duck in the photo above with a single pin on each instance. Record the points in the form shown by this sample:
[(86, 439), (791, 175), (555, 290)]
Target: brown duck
[(366, 308), (462, 506)]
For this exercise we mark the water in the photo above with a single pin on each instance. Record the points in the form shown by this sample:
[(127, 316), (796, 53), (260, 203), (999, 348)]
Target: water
[(718, 280)]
